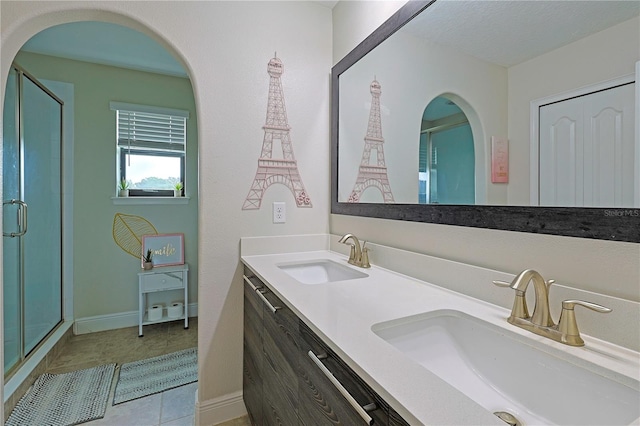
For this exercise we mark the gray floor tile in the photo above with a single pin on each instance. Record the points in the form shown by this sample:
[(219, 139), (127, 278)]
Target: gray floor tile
[(178, 403)]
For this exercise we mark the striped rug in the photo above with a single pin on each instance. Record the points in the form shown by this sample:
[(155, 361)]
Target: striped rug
[(65, 399), (154, 375)]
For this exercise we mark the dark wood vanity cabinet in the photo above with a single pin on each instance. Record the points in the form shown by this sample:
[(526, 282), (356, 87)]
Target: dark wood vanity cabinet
[(284, 385), (395, 419)]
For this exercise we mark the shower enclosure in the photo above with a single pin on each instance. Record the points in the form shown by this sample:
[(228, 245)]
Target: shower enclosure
[(32, 216)]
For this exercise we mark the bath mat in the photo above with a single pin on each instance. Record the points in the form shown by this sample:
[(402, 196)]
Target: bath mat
[(148, 376), (65, 399)]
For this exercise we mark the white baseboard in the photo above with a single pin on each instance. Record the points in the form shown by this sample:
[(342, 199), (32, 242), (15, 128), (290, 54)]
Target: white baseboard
[(113, 321), (219, 410)]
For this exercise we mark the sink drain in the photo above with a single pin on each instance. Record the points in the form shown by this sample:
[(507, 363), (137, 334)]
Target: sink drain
[(508, 418)]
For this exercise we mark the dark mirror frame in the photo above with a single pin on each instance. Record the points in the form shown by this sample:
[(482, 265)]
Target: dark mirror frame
[(615, 224)]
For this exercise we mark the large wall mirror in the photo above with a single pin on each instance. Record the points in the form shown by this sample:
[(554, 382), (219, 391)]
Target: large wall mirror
[(520, 116)]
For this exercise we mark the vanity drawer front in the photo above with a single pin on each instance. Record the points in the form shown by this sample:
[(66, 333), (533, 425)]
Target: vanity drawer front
[(252, 302), (252, 378), (161, 282), (282, 328), (252, 383), (280, 396), (281, 357), (253, 327), (320, 401)]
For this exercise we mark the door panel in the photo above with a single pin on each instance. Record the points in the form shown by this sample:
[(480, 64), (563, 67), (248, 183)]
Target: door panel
[(611, 138), (587, 150)]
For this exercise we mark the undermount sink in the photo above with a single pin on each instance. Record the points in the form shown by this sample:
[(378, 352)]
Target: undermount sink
[(504, 374), (320, 271)]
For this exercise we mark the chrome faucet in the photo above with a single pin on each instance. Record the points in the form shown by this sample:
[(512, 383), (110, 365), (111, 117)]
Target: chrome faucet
[(358, 256), (541, 322)]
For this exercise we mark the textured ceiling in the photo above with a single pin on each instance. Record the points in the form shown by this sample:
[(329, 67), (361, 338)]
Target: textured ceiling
[(511, 32)]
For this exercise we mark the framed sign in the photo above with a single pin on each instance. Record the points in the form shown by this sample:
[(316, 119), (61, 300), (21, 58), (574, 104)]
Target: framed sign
[(166, 249), (499, 160)]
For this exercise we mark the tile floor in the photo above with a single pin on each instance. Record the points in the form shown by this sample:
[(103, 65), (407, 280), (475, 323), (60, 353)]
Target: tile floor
[(174, 407), (171, 408), (123, 345)]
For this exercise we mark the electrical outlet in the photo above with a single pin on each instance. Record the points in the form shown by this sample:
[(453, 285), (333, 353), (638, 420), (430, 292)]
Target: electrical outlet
[(279, 212)]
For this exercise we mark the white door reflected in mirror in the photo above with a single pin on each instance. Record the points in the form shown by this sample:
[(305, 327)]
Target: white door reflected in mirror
[(587, 150)]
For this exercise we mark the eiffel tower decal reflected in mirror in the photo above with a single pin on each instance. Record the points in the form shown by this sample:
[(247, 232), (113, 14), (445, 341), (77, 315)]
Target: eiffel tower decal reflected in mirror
[(373, 174), (276, 129)]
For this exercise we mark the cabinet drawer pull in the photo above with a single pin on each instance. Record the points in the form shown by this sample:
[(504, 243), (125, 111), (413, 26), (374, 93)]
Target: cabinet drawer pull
[(253, 287), (360, 410), (273, 309), (258, 290)]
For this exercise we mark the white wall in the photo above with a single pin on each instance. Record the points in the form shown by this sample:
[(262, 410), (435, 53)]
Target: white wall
[(354, 20), (225, 46), (604, 56), (606, 267)]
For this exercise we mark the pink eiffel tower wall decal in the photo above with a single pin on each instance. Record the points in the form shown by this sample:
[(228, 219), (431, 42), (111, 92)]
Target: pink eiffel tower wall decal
[(272, 171), (370, 174)]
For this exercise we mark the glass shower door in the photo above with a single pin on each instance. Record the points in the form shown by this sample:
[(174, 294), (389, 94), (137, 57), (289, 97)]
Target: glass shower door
[(32, 237), (42, 251)]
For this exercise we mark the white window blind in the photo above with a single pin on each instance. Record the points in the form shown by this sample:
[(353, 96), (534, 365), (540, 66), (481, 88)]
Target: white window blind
[(150, 127)]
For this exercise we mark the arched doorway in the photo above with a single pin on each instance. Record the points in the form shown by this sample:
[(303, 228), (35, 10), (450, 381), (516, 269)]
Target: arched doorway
[(447, 155), (90, 170)]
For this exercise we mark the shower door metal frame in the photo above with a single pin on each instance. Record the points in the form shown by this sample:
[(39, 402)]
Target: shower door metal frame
[(22, 220)]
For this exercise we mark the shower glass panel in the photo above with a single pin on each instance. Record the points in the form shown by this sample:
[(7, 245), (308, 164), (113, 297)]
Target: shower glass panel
[(11, 248), (32, 243)]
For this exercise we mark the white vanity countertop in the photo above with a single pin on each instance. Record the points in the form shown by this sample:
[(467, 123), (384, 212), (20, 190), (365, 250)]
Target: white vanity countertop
[(343, 312)]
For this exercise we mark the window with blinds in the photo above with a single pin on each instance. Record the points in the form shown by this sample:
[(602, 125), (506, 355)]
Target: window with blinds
[(151, 146)]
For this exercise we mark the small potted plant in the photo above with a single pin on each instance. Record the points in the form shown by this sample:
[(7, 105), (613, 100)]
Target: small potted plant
[(123, 188), (147, 260), (177, 189)]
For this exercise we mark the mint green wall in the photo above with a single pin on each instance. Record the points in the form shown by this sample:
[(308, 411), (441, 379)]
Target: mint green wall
[(105, 277)]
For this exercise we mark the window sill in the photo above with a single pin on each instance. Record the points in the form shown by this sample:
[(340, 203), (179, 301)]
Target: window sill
[(134, 201)]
